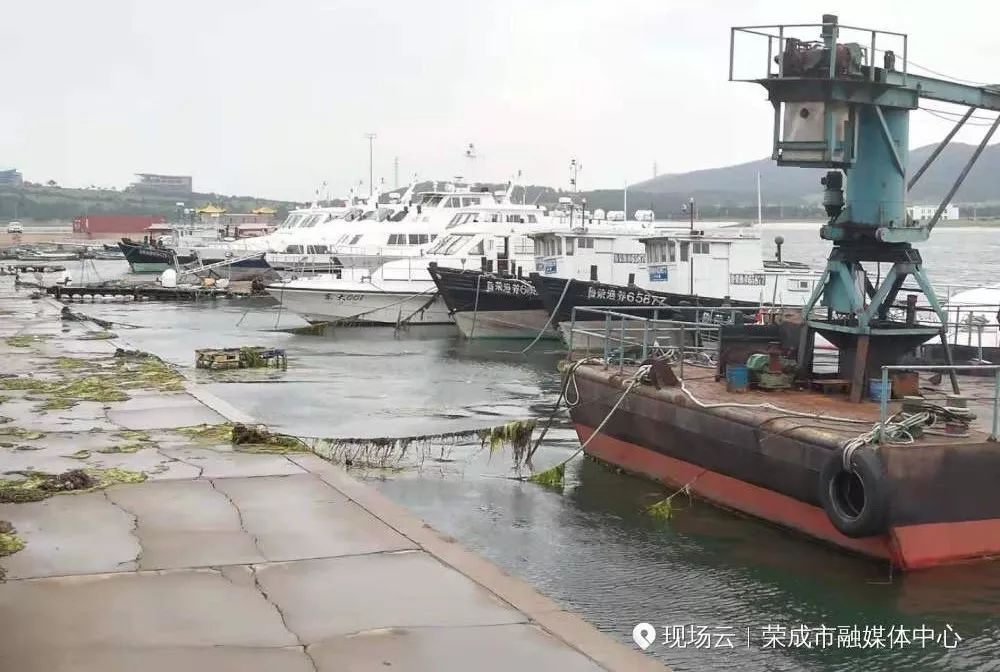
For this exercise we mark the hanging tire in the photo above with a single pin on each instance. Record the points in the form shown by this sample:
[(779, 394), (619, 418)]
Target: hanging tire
[(856, 500)]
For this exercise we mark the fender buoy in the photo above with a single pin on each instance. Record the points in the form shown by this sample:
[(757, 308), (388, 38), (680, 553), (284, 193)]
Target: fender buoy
[(856, 500)]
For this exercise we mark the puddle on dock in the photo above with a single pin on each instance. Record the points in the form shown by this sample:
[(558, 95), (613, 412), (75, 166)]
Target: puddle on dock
[(590, 547)]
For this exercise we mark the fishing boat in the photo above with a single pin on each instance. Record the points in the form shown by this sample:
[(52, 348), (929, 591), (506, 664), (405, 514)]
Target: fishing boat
[(146, 257)]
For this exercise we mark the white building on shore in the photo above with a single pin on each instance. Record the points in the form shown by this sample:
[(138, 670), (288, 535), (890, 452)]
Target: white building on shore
[(924, 213)]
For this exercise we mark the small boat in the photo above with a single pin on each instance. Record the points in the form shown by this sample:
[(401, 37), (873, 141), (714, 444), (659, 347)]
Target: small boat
[(43, 256), (143, 257)]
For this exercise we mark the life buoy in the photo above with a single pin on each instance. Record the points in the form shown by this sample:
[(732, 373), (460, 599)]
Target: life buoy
[(856, 499)]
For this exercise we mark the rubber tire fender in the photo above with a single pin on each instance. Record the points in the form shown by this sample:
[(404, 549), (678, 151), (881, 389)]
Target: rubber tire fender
[(834, 481)]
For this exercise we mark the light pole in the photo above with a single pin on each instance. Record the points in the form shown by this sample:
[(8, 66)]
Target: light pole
[(371, 171)]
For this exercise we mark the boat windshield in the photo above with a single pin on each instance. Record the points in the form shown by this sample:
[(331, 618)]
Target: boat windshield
[(450, 244), (431, 200)]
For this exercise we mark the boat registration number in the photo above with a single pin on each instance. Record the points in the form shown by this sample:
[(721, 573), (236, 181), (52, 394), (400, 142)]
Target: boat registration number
[(344, 298)]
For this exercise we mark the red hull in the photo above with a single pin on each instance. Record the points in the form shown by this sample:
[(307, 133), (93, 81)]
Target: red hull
[(907, 547)]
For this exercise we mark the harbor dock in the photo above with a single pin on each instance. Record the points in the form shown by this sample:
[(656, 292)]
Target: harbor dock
[(162, 546)]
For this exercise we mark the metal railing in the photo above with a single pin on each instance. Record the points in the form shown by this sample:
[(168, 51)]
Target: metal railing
[(778, 35), (632, 336), (886, 392)]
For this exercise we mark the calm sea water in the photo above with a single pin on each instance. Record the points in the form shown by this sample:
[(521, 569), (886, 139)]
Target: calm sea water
[(590, 547)]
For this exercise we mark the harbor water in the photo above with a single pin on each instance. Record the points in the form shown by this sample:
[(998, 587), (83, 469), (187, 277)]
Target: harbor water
[(591, 547)]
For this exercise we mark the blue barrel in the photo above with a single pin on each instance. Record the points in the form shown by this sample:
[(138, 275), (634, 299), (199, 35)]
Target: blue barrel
[(737, 378), (875, 390)]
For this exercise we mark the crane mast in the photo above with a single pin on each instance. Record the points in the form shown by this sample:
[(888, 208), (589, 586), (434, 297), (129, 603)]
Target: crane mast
[(839, 105)]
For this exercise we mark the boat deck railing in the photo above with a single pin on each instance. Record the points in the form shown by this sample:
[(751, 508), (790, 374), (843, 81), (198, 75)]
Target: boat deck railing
[(631, 333)]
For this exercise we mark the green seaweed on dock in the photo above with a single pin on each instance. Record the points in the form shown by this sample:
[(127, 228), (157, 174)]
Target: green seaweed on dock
[(34, 486), (127, 448), (9, 541), (208, 433), (25, 340)]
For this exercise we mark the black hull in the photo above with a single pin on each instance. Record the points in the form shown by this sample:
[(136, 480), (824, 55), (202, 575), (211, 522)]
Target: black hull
[(597, 294), (144, 254), (465, 290)]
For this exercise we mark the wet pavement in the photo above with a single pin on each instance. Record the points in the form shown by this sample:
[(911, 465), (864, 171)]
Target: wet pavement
[(219, 559)]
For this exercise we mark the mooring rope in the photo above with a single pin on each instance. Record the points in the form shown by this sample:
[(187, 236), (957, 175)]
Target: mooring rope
[(552, 316), (475, 307)]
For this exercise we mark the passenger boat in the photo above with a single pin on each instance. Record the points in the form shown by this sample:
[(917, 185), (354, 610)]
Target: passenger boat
[(402, 290)]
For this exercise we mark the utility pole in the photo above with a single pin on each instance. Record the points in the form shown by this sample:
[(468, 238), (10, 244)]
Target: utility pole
[(371, 171), (395, 172)]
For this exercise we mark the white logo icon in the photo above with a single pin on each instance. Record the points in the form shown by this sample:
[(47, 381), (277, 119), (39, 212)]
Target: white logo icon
[(644, 634)]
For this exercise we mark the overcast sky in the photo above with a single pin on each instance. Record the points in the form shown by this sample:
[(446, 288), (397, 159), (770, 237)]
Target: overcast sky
[(272, 98)]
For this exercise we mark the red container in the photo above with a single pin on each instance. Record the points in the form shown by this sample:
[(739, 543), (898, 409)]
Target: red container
[(112, 224)]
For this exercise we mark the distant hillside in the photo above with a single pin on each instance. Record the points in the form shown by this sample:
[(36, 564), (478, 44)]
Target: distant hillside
[(56, 203), (736, 185)]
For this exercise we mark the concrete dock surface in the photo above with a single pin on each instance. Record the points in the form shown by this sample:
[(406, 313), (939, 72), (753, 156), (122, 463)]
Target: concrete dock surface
[(227, 560)]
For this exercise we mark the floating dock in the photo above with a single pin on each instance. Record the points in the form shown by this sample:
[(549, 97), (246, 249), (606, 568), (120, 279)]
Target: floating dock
[(145, 292)]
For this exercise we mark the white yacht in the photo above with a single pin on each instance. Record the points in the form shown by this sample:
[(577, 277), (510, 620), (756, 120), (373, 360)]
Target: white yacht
[(402, 290), (371, 240)]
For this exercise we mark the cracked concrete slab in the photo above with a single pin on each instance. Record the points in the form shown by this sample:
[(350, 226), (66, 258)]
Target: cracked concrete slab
[(297, 517), (185, 524), (52, 453), (338, 596), (159, 410), (70, 534), (196, 659), (224, 462), (133, 611), (496, 648)]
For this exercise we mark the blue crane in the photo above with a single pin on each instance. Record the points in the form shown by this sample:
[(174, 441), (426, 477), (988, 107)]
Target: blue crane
[(837, 105)]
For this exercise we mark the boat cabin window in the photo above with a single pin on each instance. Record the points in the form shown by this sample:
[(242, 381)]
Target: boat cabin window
[(418, 238), (569, 247), (431, 200), (700, 248), (397, 239), (453, 202), (468, 201), (450, 243), (671, 250), (294, 249), (477, 249), (585, 243), (316, 249), (657, 252), (515, 219), (355, 239), (684, 250), (522, 245), (462, 218)]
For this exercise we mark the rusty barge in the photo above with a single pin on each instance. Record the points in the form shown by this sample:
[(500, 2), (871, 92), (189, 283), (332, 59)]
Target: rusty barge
[(867, 456)]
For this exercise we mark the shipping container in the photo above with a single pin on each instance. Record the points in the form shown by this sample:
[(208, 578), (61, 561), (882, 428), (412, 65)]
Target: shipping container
[(114, 224)]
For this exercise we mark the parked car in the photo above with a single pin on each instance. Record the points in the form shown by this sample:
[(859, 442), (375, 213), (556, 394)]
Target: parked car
[(15, 227)]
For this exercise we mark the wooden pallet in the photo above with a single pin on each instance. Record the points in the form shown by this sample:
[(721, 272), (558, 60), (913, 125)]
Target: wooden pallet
[(252, 357)]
